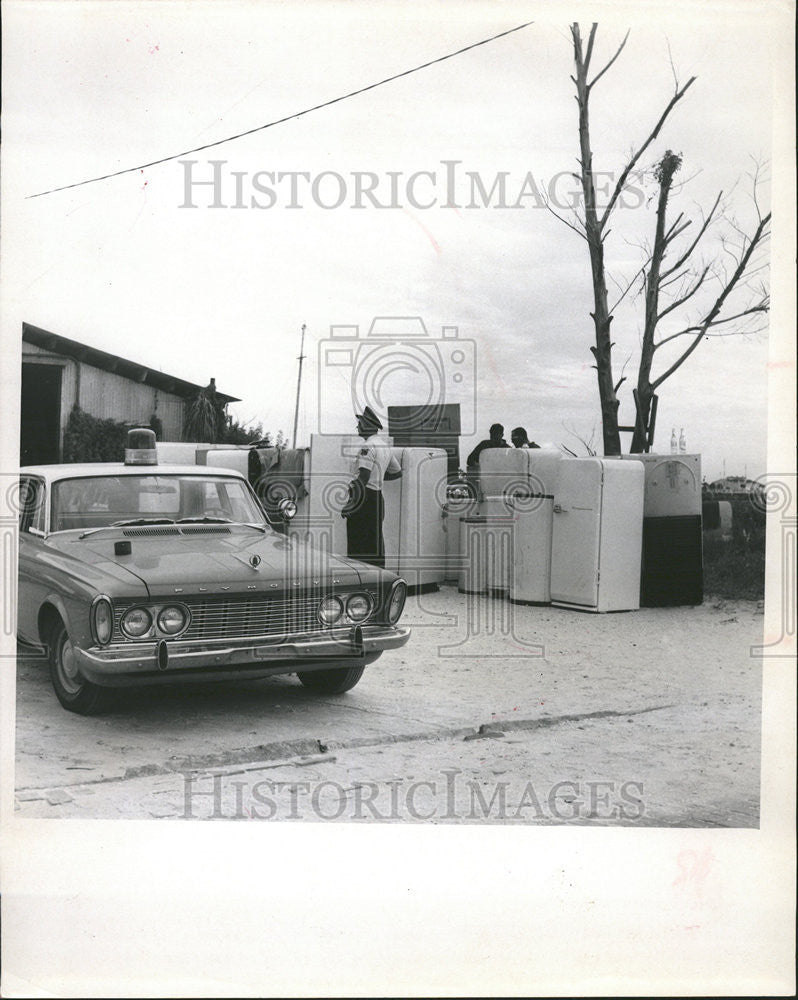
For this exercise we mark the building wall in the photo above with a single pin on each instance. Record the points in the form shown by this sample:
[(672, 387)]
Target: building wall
[(108, 396)]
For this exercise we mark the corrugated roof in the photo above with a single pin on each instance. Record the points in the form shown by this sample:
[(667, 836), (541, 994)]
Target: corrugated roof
[(113, 363)]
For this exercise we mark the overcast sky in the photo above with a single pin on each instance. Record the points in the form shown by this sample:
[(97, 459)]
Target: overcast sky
[(123, 265)]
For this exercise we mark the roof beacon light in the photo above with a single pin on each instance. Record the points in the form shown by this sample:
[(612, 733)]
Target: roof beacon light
[(140, 448)]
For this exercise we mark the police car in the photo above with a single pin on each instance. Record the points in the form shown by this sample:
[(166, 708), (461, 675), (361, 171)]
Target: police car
[(140, 573)]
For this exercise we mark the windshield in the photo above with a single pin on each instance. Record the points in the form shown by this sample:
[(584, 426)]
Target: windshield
[(99, 501)]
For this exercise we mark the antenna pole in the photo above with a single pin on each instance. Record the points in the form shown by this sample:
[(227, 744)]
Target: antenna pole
[(301, 358)]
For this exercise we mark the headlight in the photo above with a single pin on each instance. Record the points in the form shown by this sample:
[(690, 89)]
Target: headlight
[(102, 620), (172, 620), (136, 622), (358, 607), (330, 610), (396, 602), (287, 508)]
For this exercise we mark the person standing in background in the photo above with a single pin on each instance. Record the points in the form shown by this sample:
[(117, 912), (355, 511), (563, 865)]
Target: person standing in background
[(364, 510), (496, 440), (519, 438)]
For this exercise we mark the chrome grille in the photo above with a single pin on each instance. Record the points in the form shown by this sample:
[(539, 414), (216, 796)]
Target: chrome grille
[(171, 529), (239, 617), (149, 532)]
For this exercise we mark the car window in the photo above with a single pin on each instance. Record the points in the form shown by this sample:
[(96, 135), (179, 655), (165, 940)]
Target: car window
[(98, 501), (31, 503)]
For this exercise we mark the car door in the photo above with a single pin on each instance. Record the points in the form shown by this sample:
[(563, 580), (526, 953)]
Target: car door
[(30, 592)]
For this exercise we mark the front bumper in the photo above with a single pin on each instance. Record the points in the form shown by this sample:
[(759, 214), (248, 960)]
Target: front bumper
[(147, 661)]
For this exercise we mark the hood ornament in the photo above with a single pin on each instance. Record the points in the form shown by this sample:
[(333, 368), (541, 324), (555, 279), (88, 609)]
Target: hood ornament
[(254, 561)]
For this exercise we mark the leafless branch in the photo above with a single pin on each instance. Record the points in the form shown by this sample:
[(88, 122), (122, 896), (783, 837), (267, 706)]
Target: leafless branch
[(671, 233), (652, 136), (670, 60), (640, 271), (710, 333), (711, 318), (599, 75), (586, 444), (591, 39), (688, 295), (623, 377), (689, 251), (580, 232)]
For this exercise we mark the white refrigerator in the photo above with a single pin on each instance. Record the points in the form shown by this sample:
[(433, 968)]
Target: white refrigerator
[(502, 473), (597, 535), (530, 581), (413, 530), (328, 470)]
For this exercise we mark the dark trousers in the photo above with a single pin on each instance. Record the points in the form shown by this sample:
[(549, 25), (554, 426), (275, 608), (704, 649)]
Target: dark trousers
[(364, 539)]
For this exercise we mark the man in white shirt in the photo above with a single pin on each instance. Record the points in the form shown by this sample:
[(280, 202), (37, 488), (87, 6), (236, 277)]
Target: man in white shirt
[(365, 509)]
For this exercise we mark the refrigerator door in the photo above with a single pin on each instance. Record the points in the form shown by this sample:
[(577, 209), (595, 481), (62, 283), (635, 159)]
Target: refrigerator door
[(329, 476), (531, 567), (531, 577), (576, 533), (621, 536), (421, 535)]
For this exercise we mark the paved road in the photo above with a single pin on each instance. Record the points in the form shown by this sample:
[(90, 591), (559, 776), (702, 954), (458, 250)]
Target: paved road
[(649, 718)]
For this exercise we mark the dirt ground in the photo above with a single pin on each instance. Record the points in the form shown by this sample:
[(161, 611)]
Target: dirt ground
[(492, 713)]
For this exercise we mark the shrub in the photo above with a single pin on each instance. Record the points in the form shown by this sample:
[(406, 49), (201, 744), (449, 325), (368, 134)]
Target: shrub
[(735, 569), (89, 439)]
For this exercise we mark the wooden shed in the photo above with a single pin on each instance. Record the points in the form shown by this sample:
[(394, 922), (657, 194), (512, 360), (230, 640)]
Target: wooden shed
[(58, 372)]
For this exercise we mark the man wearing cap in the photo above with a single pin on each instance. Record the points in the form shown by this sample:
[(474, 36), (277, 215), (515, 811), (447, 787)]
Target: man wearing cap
[(365, 509)]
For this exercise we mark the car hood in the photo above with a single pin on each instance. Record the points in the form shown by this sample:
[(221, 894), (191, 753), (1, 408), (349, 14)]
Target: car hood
[(195, 560)]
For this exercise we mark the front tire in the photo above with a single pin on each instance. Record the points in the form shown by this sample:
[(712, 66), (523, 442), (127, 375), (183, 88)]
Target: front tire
[(74, 692), (334, 681)]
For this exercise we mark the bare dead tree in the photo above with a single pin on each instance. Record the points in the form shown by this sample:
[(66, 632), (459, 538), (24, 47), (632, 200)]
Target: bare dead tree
[(680, 283), (595, 222), (670, 284)]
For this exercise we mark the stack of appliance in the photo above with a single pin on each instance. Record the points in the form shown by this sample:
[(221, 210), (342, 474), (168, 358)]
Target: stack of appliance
[(435, 425), (507, 548), (489, 542), (415, 542), (672, 557), (597, 535)]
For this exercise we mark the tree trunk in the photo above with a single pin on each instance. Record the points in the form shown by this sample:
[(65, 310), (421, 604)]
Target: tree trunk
[(602, 351), (665, 170)]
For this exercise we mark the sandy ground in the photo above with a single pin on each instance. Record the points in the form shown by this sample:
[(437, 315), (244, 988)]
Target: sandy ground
[(492, 713)]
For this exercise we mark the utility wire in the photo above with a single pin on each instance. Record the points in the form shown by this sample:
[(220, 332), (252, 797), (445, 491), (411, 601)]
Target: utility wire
[(280, 121)]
